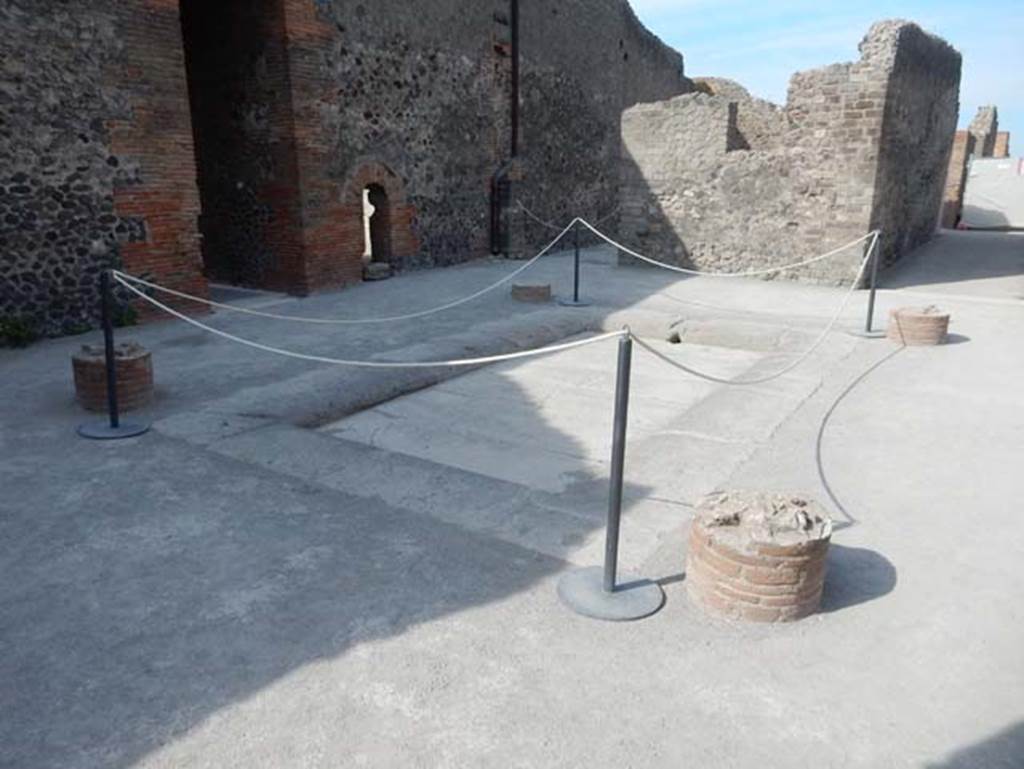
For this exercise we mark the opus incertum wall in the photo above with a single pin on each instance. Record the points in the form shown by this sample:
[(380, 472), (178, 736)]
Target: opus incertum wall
[(195, 139)]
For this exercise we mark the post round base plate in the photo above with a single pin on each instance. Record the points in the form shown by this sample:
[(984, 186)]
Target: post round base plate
[(582, 590), (574, 303), (102, 431), (867, 334)]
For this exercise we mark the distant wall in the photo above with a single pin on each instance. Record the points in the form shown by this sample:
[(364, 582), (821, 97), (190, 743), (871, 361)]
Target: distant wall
[(984, 127), (956, 179), (1001, 148), (921, 108), (859, 146)]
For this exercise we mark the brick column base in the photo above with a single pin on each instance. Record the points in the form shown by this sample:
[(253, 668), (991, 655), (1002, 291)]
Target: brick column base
[(133, 367), (918, 326), (757, 557)]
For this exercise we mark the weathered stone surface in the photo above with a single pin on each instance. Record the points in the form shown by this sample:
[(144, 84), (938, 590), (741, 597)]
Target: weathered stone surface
[(377, 271), (858, 146), (537, 293)]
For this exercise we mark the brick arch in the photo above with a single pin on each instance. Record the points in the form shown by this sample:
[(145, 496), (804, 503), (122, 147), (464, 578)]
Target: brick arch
[(402, 243)]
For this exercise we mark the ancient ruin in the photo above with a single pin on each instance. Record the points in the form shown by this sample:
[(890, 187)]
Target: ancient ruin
[(723, 181), (245, 142), (235, 140), (982, 139)]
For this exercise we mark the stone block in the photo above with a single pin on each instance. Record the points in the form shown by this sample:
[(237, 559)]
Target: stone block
[(535, 293)]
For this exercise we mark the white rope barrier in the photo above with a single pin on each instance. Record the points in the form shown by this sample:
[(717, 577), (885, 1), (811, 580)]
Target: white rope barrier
[(800, 359), (554, 227), (743, 274), (371, 363), (122, 277)]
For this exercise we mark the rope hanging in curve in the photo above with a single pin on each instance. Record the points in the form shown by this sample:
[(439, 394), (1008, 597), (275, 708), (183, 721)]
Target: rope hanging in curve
[(369, 363), (122, 277), (800, 359), (743, 274)]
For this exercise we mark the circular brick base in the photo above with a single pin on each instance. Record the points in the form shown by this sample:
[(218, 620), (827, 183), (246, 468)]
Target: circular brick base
[(532, 293), (134, 371), (918, 326), (757, 557)]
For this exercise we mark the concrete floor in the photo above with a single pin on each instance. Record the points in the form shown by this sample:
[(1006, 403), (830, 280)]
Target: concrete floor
[(294, 569)]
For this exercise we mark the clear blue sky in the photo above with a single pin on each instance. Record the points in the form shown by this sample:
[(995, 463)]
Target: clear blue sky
[(760, 44)]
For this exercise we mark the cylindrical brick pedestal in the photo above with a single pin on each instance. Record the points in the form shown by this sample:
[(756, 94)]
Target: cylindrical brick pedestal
[(757, 557), (133, 366), (918, 326), (532, 293)]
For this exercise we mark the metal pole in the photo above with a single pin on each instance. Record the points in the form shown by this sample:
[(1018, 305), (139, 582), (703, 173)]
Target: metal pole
[(114, 429), (576, 264), (595, 591), (611, 546), (107, 314), (874, 284)]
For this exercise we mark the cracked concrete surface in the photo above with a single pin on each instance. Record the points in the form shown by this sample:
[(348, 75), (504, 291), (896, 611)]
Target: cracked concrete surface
[(238, 589)]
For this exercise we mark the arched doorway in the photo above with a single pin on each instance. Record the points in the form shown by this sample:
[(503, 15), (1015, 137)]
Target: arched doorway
[(376, 224), (376, 220)]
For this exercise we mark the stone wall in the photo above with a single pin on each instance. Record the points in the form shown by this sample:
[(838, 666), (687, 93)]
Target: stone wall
[(96, 156), (982, 139), (830, 167), (284, 110), (921, 109), (984, 128)]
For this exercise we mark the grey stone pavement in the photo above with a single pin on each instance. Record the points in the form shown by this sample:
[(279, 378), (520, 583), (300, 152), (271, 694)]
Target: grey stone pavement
[(309, 566)]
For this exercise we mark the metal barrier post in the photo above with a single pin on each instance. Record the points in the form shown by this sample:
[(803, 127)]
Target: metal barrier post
[(114, 429), (575, 301), (595, 591), (874, 284)]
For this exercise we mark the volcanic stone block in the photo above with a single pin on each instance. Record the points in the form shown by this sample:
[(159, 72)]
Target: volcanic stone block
[(918, 326), (133, 367), (538, 293), (757, 557)]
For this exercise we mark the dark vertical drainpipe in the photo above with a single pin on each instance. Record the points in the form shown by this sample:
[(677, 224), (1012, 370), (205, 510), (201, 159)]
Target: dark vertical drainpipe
[(499, 184), (515, 77)]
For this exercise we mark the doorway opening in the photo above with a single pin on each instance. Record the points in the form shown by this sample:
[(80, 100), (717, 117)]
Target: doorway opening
[(376, 224), (228, 55)]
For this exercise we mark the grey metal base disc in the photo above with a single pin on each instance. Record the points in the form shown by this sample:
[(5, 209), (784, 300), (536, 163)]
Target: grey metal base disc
[(574, 303), (102, 431), (867, 334), (582, 590)]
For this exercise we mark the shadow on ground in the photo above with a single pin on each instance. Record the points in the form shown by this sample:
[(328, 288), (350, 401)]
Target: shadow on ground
[(1004, 750), (855, 575)]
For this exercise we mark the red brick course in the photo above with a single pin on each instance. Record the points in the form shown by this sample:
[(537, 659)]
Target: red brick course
[(918, 326), (157, 140), (767, 583), (133, 367)]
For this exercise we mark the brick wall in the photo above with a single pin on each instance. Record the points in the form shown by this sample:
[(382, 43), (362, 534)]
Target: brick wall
[(154, 139), (956, 179), (1001, 148)]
